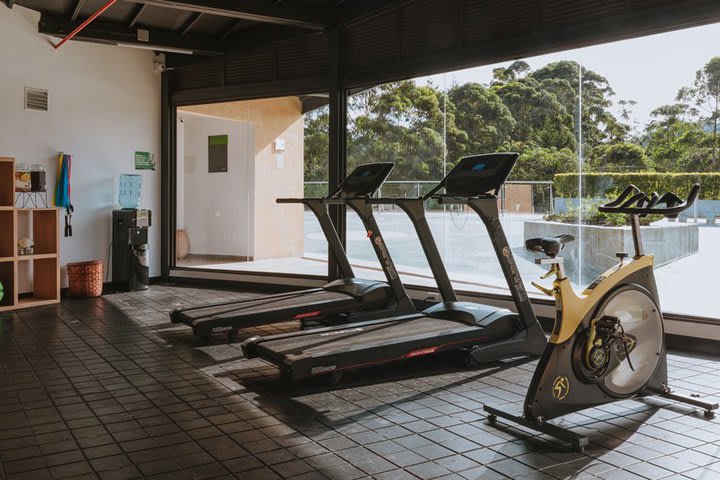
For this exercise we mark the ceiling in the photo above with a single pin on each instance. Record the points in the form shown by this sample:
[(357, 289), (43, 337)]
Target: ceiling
[(209, 27)]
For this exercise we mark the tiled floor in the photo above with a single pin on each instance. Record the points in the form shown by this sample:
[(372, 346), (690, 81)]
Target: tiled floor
[(108, 388)]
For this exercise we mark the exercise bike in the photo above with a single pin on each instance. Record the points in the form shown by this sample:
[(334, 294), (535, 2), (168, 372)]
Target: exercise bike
[(608, 343)]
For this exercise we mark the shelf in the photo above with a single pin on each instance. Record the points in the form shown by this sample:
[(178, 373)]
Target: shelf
[(7, 278), (28, 302), (36, 256), (7, 233), (37, 274), (7, 182)]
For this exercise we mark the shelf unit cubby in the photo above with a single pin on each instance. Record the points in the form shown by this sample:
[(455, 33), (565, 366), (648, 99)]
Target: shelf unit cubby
[(28, 280)]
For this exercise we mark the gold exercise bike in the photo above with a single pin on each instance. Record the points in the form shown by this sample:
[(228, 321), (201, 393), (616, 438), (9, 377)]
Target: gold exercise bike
[(608, 343)]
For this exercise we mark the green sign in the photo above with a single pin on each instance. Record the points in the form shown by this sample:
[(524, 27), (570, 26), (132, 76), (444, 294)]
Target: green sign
[(144, 161)]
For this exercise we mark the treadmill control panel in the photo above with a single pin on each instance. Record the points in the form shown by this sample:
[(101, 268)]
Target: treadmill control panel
[(364, 181), (479, 174)]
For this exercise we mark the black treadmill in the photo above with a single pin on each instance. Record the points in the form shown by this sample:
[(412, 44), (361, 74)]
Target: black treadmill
[(341, 301), (484, 332)]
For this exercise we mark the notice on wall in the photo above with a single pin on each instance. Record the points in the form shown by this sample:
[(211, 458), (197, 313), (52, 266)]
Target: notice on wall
[(217, 153), (144, 161)]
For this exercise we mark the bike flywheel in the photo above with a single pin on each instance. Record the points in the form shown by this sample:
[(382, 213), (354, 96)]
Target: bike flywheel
[(641, 322)]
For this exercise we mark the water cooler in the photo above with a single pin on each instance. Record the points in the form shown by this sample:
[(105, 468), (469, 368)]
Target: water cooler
[(130, 271)]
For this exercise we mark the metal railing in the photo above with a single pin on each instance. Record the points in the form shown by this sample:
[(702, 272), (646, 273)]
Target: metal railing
[(541, 192)]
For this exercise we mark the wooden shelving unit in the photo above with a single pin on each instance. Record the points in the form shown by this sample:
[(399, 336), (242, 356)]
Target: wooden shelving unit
[(41, 270)]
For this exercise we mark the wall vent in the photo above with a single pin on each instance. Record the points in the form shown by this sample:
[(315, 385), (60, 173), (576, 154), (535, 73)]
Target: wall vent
[(36, 99)]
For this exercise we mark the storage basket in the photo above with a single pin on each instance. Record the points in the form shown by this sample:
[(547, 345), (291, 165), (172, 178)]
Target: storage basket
[(85, 278)]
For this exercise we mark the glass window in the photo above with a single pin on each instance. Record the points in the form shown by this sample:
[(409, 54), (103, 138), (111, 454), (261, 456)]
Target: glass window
[(586, 124), (234, 160)]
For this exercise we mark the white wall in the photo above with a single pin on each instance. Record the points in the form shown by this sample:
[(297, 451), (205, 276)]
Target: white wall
[(217, 206), (104, 105)]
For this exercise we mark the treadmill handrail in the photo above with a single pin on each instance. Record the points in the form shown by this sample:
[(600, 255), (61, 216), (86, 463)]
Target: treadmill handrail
[(323, 200), (413, 207), (455, 200)]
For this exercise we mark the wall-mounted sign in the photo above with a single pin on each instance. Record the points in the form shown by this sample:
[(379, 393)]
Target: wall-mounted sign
[(217, 153), (144, 161)]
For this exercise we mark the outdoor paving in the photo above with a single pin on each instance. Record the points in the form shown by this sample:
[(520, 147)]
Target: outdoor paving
[(687, 286), (108, 388)]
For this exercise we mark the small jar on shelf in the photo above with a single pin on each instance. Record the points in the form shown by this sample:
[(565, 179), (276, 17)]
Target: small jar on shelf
[(23, 181), (38, 178)]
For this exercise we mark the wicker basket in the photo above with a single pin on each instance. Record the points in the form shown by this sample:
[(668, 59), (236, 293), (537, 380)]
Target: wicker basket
[(85, 278)]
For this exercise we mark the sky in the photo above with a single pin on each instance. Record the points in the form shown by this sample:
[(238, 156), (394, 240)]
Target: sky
[(649, 70)]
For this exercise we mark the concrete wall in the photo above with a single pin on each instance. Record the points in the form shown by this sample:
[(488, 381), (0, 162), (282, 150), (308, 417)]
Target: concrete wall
[(278, 230), (667, 243), (217, 211), (104, 105)]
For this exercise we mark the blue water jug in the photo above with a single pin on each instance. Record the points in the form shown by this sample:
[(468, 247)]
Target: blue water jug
[(130, 190)]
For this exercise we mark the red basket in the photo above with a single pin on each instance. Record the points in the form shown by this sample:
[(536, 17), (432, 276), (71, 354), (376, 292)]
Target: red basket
[(85, 278)]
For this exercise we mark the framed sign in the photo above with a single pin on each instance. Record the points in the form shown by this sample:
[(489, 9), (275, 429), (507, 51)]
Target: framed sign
[(217, 153), (144, 161)]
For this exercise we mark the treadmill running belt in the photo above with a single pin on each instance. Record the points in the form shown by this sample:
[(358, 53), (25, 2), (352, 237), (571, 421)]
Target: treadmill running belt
[(320, 300), (367, 337)]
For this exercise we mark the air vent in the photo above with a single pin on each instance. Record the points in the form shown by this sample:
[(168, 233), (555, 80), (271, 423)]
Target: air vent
[(36, 99)]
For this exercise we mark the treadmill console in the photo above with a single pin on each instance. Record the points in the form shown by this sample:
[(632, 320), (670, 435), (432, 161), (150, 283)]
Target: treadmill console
[(479, 175), (364, 181)]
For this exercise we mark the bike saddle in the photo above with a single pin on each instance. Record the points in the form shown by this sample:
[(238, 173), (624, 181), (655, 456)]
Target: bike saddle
[(550, 246)]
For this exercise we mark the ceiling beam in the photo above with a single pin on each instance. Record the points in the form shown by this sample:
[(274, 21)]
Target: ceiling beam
[(136, 17), (190, 24), (78, 6), (112, 33), (308, 17), (233, 28)]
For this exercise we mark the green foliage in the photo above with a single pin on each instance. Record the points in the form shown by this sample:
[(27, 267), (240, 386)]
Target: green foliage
[(425, 130), (316, 145), (675, 142), (618, 157), (610, 185), (704, 94), (589, 214), (538, 163)]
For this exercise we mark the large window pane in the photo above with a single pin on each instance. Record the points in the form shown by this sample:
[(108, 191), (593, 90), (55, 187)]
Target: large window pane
[(666, 139), (234, 160), (427, 125)]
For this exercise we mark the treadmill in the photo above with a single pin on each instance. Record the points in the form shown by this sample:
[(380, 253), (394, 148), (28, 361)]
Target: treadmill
[(485, 333), (344, 300)]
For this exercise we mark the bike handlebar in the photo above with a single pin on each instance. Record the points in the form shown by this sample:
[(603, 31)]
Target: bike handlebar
[(633, 201)]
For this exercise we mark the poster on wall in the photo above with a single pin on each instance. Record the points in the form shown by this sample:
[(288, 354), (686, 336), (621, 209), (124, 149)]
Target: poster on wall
[(144, 161), (217, 153)]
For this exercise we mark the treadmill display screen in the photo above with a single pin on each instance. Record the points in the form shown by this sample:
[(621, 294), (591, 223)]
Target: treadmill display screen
[(479, 174), (365, 180)]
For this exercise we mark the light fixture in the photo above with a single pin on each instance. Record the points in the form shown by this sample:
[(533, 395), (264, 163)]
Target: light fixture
[(159, 48)]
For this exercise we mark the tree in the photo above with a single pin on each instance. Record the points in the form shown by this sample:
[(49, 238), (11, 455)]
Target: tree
[(482, 116), (537, 163), (540, 119), (514, 71), (316, 145), (598, 123), (705, 95), (619, 157), (404, 123), (674, 142)]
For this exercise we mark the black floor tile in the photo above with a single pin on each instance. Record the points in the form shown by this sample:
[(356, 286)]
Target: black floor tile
[(117, 392)]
